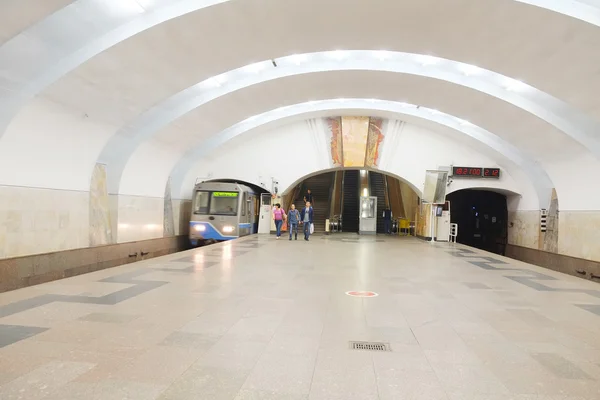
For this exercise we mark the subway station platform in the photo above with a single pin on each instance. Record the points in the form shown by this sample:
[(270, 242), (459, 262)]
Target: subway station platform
[(259, 318)]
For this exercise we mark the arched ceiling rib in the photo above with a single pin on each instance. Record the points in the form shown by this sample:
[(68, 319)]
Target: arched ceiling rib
[(557, 113), (584, 10), (538, 177), (73, 35), (22, 14)]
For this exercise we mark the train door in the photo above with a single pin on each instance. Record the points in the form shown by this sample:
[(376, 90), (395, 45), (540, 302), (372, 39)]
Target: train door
[(264, 223), (244, 224)]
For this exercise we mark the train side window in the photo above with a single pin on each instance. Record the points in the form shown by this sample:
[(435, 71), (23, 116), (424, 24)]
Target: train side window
[(244, 205)]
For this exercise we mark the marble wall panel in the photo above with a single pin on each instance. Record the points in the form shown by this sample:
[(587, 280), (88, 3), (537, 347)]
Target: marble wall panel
[(550, 237), (524, 228), (100, 219), (34, 221), (579, 234), (140, 218), (168, 222)]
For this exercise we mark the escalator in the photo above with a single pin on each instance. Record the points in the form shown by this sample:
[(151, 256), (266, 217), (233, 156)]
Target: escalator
[(378, 188), (350, 203), (320, 187)]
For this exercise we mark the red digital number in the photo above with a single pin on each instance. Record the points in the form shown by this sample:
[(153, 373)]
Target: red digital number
[(496, 172)]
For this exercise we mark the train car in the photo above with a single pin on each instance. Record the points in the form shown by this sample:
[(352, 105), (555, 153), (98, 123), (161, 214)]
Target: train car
[(222, 211)]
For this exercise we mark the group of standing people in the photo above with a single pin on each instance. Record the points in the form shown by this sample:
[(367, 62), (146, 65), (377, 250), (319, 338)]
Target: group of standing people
[(295, 218)]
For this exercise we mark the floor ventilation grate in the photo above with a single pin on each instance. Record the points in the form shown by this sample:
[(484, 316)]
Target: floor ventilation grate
[(370, 346)]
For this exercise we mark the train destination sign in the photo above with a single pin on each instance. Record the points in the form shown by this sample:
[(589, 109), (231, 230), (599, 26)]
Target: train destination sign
[(476, 172), (225, 194)]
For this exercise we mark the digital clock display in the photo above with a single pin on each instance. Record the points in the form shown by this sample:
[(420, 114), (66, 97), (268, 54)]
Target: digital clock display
[(476, 172), (467, 171), (491, 172)]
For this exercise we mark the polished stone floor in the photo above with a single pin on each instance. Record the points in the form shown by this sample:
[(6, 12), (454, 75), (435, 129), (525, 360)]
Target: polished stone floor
[(260, 318)]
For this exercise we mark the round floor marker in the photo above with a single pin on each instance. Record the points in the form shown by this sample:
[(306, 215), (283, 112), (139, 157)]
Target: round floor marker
[(361, 293)]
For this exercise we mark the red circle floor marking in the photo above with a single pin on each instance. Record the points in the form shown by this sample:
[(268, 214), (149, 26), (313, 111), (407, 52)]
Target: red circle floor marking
[(360, 293)]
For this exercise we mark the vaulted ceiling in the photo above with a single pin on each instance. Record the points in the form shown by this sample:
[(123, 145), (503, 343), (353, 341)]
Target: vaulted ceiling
[(110, 79)]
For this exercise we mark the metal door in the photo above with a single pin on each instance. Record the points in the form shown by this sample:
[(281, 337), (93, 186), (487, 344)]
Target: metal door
[(368, 215)]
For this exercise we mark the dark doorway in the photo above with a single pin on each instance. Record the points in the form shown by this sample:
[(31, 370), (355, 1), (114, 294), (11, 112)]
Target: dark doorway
[(482, 219)]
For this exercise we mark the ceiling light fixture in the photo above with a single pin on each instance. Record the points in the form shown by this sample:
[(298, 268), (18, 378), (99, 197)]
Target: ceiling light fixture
[(256, 67), (220, 79), (469, 70), (338, 54), (427, 60), (513, 85), (381, 55), (298, 58)]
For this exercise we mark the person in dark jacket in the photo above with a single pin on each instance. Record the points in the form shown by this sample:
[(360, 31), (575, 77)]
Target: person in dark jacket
[(387, 220), (308, 197), (293, 221), (306, 219)]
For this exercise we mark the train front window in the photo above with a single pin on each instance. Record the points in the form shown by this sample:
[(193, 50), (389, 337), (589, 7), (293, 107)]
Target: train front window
[(201, 202), (224, 203)]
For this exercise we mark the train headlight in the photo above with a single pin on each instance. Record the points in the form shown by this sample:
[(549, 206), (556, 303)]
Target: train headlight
[(199, 228), (228, 229)]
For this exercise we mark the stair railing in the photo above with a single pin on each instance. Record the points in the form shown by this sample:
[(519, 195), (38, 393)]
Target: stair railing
[(331, 191), (388, 203)]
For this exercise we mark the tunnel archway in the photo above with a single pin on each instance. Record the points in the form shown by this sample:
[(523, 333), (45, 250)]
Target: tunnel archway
[(335, 195), (482, 218)]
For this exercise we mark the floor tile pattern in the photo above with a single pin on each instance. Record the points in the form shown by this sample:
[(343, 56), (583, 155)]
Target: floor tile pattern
[(259, 318)]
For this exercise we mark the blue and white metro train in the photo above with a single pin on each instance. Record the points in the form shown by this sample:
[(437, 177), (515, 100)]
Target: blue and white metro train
[(223, 211)]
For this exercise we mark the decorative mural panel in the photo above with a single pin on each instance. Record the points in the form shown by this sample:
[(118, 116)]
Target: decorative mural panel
[(334, 125), (354, 132), (374, 140), (355, 141)]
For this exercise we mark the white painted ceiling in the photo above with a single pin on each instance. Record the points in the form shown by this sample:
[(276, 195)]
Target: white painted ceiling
[(116, 60)]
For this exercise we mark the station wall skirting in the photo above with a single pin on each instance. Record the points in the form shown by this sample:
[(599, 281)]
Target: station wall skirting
[(20, 272), (585, 269)]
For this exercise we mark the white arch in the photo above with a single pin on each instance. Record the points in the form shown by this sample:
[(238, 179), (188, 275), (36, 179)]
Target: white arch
[(536, 174), (68, 39), (323, 171), (574, 123)]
